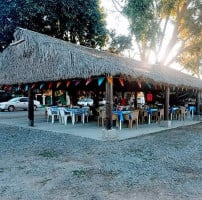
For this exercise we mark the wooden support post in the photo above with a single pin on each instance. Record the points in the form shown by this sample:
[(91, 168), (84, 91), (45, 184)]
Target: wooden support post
[(167, 102), (109, 101), (53, 95), (135, 100), (31, 108), (198, 104)]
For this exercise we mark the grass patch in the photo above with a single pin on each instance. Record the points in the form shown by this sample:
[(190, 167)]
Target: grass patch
[(2, 170), (44, 181), (48, 154), (80, 172), (91, 172)]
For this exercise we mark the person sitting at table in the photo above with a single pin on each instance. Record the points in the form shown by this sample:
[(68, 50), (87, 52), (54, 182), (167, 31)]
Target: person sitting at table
[(118, 107)]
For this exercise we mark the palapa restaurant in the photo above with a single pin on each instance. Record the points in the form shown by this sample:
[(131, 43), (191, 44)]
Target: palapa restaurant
[(74, 82)]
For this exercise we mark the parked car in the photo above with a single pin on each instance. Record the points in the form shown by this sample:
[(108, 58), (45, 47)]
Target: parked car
[(18, 103), (4, 96), (102, 102), (85, 102)]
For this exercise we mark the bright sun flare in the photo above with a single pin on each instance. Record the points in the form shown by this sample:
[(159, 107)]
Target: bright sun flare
[(120, 23)]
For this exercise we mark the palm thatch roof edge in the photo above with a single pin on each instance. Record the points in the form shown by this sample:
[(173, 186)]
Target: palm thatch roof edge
[(35, 57)]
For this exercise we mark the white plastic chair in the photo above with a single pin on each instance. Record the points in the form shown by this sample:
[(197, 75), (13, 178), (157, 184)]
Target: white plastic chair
[(64, 115), (86, 111), (51, 114)]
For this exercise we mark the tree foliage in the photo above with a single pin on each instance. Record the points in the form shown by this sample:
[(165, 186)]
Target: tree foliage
[(119, 43), (76, 21), (152, 20)]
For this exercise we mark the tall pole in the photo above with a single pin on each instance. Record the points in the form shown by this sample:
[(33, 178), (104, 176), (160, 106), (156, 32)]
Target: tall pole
[(53, 95), (31, 108), (198, 104), (109, 102), (167, 102)]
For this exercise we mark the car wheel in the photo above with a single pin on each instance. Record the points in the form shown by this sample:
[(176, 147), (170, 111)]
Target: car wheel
[(11, 108)]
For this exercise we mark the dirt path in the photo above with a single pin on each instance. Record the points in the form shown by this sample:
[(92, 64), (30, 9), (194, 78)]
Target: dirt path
[(38, 165)]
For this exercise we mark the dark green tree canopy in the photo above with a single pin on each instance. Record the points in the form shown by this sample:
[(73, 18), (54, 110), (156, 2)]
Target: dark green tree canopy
[(119, 43), (77, 21)]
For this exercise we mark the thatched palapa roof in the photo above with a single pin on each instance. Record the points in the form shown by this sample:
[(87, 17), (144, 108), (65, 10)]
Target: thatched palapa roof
[(34, 57)]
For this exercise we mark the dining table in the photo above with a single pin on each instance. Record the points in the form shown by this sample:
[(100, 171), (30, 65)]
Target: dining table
[(173, 109), (191, 109), (121, 114), (150, 111), (83, 111)]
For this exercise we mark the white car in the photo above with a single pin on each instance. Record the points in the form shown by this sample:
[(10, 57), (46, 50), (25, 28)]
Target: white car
[(18, 103), (85, 102), (102, 102)]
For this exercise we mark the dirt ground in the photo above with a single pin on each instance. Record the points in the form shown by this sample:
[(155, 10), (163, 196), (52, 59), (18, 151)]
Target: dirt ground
[(39, 165)]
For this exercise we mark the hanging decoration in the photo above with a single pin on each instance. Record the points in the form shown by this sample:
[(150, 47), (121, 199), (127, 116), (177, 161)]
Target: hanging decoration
[(89, 81), (50, 85), (149, 97), (7, 87), (100, 80), (77, 82), (19, 86), (26, 87), (110, 79), (33, 86), (58, 84), (41, 86), (149, 85), (121, 81), (139, 84), (68, 83), (155, 86)]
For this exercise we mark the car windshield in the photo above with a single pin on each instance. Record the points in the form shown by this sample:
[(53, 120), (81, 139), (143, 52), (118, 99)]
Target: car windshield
[(14, 100)]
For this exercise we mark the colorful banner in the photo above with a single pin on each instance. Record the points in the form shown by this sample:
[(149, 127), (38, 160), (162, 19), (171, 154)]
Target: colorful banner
[(100, 80), (121, 81), (19, 86), (68, 83), (33, 86), (139, 84), (149, 85), (26, 87), (77, 82), (58, 84), (89, 81), (110, 79), (50, 85), (41, 86)]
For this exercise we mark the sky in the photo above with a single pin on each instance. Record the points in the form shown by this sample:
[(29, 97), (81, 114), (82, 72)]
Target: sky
[(120, 23), (114, 19)]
